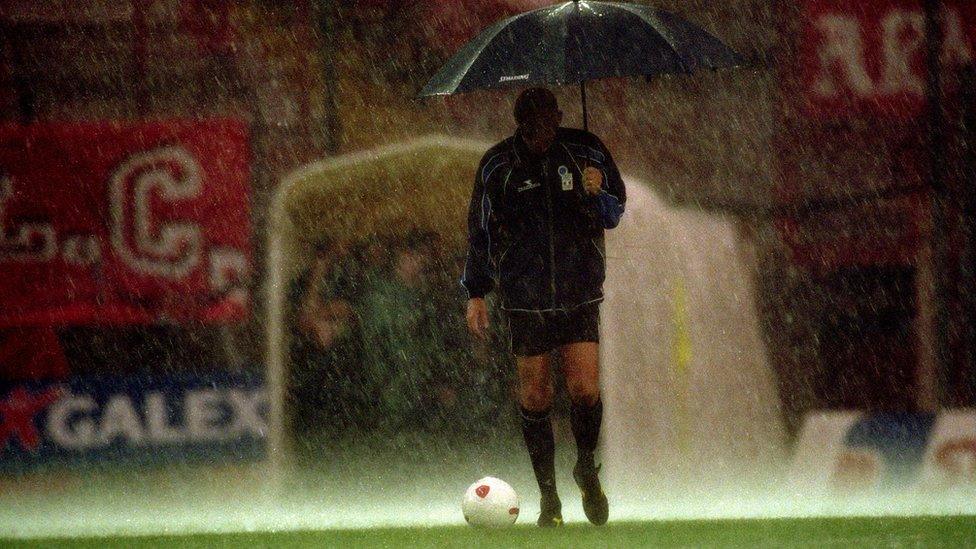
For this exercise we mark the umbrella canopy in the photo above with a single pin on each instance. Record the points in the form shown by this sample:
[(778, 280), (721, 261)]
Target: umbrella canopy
[(573, 42)]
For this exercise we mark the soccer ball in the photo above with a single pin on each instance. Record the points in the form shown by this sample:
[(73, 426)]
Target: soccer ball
[(490, 502)]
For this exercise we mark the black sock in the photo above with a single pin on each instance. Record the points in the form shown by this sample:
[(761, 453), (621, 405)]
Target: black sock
[(537, 432), (586, 422)]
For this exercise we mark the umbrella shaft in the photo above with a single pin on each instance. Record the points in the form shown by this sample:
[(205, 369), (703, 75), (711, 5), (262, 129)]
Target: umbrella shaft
[(583, 96)]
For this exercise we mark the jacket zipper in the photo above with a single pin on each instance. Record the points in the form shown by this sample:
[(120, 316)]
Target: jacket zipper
[(552, 245)]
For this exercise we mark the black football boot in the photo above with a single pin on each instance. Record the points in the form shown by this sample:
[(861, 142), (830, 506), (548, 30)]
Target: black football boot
[(595, 504), (551, 510)]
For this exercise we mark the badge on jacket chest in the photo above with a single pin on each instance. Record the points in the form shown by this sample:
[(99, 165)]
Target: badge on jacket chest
[(567, 178)]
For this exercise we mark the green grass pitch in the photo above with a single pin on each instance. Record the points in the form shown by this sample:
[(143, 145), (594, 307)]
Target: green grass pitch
[(813, 532)]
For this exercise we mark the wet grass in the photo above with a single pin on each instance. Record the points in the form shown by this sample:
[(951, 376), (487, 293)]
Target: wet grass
[(399, 490), (819, 532)]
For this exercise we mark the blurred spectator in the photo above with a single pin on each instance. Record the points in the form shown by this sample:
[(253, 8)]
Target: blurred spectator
[(323, 318), (378, 343), (417, 357), (392, 310), (325, 387)]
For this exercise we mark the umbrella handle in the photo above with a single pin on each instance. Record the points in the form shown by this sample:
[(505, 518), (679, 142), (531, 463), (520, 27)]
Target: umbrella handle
[(586, 160)]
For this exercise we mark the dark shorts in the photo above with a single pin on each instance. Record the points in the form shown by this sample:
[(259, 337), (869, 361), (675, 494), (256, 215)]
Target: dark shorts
[(536, 333)]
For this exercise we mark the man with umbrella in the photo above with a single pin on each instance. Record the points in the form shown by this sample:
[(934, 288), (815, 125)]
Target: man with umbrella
[(544, 196), (542, 199)]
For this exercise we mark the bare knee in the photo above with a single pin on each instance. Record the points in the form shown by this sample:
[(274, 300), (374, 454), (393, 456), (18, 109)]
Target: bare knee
[(536, 397), (581, 366), (586, 392), (535, 389)]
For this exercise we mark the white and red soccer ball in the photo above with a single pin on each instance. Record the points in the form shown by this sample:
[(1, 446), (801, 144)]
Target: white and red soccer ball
[(491, 503)]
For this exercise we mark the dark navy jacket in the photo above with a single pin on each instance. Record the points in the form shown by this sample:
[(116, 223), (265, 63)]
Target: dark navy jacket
[(534, 230)]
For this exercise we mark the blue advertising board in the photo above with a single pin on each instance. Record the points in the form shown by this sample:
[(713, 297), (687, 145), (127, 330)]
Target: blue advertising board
[(852, 451), (897, 439), (147, 419)]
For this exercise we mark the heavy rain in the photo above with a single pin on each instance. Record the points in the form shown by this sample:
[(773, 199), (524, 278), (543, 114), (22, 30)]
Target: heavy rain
[(245, 246)]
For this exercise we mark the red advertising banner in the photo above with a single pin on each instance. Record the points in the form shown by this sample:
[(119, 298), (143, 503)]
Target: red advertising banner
[(868, 57), (106, 222)]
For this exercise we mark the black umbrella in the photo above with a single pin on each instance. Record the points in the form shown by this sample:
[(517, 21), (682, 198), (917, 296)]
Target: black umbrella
[(573, 42)]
